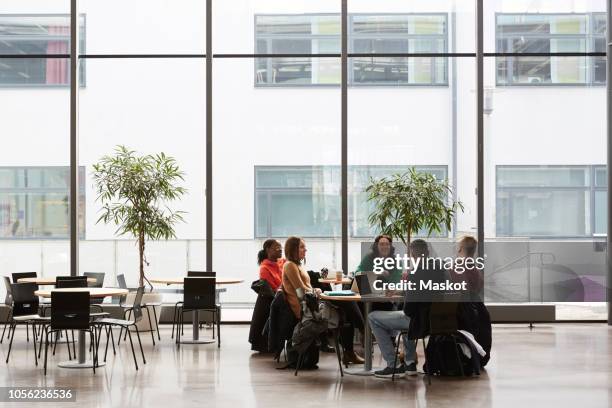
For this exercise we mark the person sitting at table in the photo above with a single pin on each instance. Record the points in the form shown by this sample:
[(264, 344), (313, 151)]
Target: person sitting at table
[(270, 271), (466, 270), (295, 277), (381, 248), (414, 317)]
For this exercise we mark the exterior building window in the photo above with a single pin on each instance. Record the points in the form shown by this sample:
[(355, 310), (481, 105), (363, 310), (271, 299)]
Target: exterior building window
[(551, 201), (39, 36), (320, 34), (550, 33), (305, 200), (34, 202)]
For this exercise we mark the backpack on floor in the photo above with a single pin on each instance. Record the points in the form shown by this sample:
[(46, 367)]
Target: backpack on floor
[(444, 356), (310, 358)]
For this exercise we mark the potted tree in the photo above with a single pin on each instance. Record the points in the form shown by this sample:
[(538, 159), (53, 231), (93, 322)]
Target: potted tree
[(135, 192), (411, 202)]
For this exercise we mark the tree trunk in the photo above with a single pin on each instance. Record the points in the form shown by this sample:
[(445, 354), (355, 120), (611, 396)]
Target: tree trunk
[(141, 248)]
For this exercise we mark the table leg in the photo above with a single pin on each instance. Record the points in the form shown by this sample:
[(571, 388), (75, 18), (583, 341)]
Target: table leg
[(367, 366), (82, 361), (195, 326)]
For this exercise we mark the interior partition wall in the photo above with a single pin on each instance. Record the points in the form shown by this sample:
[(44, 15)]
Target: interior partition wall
[(289, 111)]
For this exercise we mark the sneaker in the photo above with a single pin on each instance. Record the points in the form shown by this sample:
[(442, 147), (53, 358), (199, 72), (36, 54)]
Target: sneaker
[(387, 372), (411, 369)]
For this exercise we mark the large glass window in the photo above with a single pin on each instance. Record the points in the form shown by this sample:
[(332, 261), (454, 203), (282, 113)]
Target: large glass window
[(288, 199), (398, 33), (551, 201), (34, 202), (368, 34), (37, 35), (550, 33), (301, 34)]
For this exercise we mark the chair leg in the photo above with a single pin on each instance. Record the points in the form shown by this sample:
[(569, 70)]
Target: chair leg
[(218, 319), (144, 361), (74, 353), (107, 339), (92, 340), (11, 343), (8, 319), (298, 364), (46, 349), (132, 344), (337, 347), (397, 343), (43, 327), (156, 324), (173, 321), (27, 332), (34, 342), (67, 344), (150, 325)]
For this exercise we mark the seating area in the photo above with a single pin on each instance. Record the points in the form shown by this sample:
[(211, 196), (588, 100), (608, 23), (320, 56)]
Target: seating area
[(347, 203)]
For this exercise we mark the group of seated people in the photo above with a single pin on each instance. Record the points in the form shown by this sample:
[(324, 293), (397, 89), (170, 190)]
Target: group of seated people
[(288, 276)]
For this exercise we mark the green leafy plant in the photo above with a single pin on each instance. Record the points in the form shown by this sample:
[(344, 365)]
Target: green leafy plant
[(135, 192), (410, 202)]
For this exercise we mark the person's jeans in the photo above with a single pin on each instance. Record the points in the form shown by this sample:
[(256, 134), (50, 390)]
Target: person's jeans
[(385, 326)]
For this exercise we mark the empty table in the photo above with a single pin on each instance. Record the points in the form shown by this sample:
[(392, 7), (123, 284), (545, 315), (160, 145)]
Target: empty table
[(195, 337), (93, 293)]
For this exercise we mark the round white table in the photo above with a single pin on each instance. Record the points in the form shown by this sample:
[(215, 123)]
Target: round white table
[(93, 293), (46, 281), (195, 337)]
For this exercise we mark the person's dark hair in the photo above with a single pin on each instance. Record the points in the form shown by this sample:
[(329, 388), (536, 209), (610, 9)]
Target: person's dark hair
[(419, 248), (469, 244), (292, 249), (374, 247), (263, 253)]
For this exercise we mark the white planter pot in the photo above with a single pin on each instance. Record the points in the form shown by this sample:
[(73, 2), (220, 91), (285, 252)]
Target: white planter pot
[(149, 297)]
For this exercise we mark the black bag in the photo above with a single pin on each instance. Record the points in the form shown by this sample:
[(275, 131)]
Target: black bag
[(445, 358), (474, 317), (485, 335), (310, 358)]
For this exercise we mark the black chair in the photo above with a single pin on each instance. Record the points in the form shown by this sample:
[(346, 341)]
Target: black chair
[(25, 311), (199, 294), (70, 311), (99, 283), (191, 274), (8, 302), (127, 309), (126, 324), (18, 275), (201, 274), (70, 282)]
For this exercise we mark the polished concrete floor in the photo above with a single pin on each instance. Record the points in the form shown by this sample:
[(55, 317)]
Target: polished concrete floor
[(553, 365)]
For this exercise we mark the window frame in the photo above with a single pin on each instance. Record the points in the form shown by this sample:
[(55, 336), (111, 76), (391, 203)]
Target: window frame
[(589, 38), (82, 50)]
